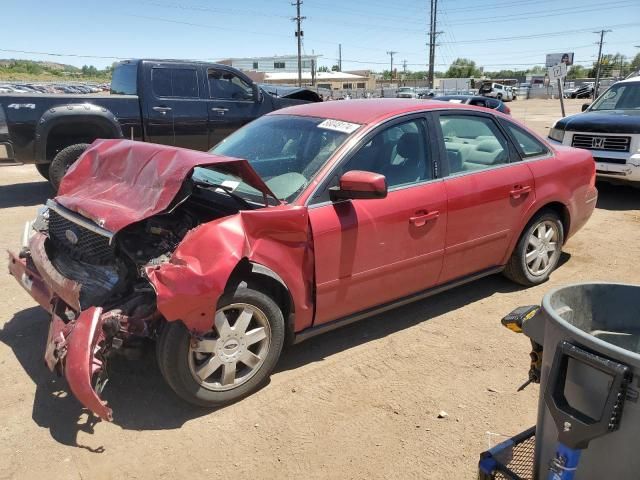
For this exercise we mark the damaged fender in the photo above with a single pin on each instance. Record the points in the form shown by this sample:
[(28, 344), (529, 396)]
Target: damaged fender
[(189, 286)]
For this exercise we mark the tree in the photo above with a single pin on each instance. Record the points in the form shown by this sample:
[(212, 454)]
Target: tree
[(323, 68), (463, 68), (577, 71), (635, 63)]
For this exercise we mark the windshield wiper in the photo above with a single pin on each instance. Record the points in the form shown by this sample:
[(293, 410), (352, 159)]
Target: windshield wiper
[(226, 189)]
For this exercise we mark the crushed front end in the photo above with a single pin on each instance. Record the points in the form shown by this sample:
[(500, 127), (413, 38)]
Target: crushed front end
[(97, 298)]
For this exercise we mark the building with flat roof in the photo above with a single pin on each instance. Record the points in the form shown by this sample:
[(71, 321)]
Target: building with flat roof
[(276, 63)]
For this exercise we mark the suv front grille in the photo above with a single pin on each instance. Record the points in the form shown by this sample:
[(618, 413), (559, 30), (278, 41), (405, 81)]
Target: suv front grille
[(78, 241), (601, 142)]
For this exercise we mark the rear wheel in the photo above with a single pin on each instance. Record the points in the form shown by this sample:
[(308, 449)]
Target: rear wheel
[(233, 359), (62, 161), (538, 251), (499, 96)]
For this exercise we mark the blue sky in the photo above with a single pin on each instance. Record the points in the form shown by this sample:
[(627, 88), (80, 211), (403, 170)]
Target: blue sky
[(367, 29)]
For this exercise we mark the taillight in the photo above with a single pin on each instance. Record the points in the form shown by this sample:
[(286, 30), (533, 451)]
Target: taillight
[(593, 174)]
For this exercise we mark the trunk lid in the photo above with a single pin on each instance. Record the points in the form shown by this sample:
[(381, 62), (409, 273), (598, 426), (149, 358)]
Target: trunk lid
[(119, 182)]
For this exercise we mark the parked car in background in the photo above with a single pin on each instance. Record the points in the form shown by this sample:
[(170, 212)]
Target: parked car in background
[(584, 91), (496, 90), (182, 103), (610, 129), (475, 100), (304, 220), (406, 92)]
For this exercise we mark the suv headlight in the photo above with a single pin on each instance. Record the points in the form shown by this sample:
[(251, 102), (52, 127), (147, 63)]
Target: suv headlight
[(556, 134)]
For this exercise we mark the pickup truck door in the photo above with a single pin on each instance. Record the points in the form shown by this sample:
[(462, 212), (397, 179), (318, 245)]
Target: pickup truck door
[(175, 113), (232, 103)]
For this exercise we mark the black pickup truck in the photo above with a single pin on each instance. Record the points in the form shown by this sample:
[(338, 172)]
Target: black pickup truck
[(182, 103)]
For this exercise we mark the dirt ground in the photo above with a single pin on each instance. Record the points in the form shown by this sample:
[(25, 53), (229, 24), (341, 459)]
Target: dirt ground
[(358, 403)]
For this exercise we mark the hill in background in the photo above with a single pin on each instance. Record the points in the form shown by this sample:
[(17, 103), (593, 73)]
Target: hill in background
[(29, 70)]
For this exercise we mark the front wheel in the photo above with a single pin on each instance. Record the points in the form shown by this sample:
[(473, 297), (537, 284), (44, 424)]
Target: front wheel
[(538, 251), (62, 161), (499, 96), (233, 359), (43, 169)]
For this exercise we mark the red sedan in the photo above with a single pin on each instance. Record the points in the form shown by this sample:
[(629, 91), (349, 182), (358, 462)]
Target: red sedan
[(302, 221)]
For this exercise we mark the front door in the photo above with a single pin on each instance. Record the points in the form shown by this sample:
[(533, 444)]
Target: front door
[(232, 103), (369, 252), (489, 190), (175, 113)]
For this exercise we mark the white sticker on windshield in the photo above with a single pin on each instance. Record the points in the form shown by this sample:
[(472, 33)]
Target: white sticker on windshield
[(339, 126), (229, 184)]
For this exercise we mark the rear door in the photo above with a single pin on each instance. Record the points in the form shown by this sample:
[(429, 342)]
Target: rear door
[(175, 113), (369, 252), (231, 103), (489, 190)]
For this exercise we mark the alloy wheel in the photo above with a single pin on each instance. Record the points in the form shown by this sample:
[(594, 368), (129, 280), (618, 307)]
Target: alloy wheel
[(542, 251), (234, 351)]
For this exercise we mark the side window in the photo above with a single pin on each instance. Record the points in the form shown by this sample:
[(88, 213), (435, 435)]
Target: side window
[(472, 143), (161, 82), (174, 82), (224, 85), (529, 145), (399, 153)]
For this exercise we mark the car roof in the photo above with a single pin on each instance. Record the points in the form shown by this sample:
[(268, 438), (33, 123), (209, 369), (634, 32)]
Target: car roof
[(366, 111)]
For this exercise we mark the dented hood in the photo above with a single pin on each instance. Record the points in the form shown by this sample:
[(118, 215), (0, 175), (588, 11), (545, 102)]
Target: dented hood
[(119, 182)]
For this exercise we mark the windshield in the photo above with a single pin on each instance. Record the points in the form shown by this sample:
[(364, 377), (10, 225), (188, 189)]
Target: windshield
[(622, 96), (405, 89), (285, 150)]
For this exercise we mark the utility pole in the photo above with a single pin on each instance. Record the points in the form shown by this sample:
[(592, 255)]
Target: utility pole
[(391, 54), (597, 85), (404, 67), (433, 33), (339, 57), (299, 33)]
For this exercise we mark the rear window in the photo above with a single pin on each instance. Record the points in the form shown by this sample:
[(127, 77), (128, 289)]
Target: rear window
[(529, 145), (123, 81)]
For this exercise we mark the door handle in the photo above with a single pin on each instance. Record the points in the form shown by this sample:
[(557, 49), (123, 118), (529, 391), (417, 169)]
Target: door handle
[(519, 190), (162, 110), (423, 217), (219, 110)]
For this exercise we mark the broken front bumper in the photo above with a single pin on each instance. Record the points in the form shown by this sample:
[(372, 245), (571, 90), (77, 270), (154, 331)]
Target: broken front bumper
[(73, 346)]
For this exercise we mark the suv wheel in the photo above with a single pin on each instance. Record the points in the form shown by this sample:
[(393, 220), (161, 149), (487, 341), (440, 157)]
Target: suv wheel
[(538, 251), (62, 161), (43, 169), (499, 96), (233, 359)]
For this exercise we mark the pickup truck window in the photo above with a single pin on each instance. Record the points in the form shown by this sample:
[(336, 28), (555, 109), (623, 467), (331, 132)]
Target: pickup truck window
[(225, 85), (123, 81), (174, 82)]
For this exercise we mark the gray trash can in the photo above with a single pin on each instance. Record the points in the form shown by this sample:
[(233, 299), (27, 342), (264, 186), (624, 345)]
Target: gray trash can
[(591, 338)]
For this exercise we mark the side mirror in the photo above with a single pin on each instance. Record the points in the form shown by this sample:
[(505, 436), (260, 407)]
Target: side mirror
[(358, 184), (257, 93), (585, 106)]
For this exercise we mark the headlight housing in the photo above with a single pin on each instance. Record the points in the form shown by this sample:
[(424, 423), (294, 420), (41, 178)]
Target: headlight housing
[(556, 134)]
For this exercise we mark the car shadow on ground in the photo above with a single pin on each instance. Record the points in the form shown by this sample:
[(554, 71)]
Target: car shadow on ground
[(617, 197), (25, 194), (139, 396)]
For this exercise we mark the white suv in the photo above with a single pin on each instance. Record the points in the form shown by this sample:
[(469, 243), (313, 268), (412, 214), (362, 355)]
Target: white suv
[(497, 90), (610, 129)]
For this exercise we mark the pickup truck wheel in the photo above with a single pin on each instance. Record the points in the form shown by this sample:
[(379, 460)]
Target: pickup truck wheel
[(43, 169), (62, 161), (233, 359), (538, 251)]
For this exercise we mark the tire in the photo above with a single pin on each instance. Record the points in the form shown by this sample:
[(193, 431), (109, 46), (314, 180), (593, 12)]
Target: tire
[(43, 169), (499, 96), (62, 161), (523, 269), (182, 358)]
